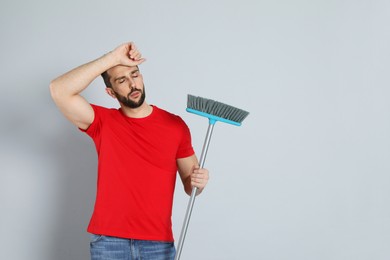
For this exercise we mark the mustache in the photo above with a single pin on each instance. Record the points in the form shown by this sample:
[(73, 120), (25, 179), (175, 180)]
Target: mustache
[(133, 90)]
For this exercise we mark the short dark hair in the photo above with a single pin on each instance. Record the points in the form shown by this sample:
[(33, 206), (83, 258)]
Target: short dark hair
[(106, 79)]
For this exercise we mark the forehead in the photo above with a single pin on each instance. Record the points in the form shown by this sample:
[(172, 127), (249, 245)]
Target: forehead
[(121, 70)]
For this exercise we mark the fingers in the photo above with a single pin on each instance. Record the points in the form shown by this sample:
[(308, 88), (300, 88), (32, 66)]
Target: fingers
[(199, 178), (127, 54), (135, 56), (136, 62), (134, 53)]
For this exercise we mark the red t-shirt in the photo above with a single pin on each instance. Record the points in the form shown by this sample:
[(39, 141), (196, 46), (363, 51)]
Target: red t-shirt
[(136, 172)]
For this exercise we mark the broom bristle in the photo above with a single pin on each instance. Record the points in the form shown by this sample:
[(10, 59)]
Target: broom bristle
[(216, 108)]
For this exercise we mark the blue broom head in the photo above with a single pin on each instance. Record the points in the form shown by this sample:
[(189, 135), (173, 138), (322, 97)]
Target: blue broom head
[(215, 111)]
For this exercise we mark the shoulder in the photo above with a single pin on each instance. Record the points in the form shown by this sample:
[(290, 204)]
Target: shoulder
[(104, 110), (168, 115), (103, 114), (171, 120)]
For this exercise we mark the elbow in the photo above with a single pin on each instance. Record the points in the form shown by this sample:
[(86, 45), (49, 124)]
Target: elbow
[(53, 87)]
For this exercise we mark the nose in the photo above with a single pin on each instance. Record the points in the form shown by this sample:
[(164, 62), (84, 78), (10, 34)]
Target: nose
[(132, 83)]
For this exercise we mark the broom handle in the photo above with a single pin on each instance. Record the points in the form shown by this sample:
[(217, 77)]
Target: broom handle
[(193, 193)]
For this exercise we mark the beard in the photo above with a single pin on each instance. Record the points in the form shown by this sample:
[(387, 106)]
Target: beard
[(126, 101)]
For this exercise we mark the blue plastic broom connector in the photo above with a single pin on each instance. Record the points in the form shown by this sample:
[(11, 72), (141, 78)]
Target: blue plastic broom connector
[(212, 119)]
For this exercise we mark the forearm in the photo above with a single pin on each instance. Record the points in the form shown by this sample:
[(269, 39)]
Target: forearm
[(191, 175), (75, 81)]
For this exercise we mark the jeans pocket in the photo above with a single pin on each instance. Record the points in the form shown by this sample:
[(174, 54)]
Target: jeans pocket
[(95, 238), (157, 250)]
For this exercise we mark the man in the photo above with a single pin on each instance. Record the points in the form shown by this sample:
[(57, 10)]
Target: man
[(140, 148)]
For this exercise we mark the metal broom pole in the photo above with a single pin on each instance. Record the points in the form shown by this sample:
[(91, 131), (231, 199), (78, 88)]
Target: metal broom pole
[(193, 193)]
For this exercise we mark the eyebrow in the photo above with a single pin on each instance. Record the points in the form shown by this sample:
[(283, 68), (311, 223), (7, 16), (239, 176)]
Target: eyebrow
[(123, 77)]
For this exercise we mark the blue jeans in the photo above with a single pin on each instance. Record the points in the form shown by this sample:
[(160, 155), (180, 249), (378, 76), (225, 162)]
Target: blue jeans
[(114, 248)]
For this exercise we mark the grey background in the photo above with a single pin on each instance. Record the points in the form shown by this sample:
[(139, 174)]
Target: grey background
[(305, 177)]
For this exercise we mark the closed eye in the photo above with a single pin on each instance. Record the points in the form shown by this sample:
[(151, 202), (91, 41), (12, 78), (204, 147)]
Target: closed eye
[(120, 80)]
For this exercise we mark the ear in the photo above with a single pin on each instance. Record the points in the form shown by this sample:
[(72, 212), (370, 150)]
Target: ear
[(110, 92)]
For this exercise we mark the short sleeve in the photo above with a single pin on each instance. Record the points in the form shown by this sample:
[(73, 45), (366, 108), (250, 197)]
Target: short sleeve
[(94, 128), (185, 146)]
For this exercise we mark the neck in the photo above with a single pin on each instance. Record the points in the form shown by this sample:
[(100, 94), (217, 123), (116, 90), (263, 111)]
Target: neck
[(143, 111)]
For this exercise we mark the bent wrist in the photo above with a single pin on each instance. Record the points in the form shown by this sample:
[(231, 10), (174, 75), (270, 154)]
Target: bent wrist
[(110, 59)]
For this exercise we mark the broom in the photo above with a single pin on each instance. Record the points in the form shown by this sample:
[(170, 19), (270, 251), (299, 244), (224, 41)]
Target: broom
[(214, 111)]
